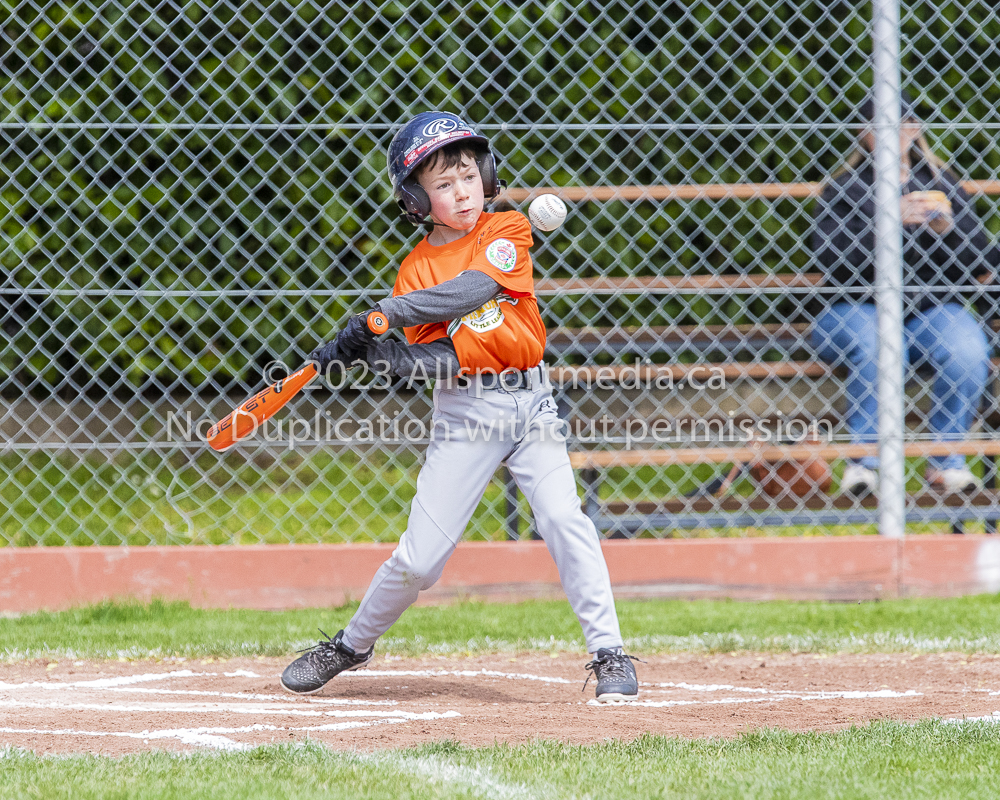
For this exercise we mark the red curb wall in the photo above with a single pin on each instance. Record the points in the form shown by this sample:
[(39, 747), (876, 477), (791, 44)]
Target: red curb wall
[(950, 565), (312, 576)]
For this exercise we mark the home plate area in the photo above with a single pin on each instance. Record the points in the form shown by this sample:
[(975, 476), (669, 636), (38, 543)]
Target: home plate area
[(117, 707)]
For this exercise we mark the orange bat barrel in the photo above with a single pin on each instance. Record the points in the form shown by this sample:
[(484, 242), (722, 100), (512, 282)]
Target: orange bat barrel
[(244, 420)]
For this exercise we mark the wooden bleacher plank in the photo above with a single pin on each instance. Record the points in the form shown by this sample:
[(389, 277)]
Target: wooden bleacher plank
[(924, 499), (690, 191), (660, 283), (594, 459), (701, 191), (620, 337), (589, 376), (723, 335)]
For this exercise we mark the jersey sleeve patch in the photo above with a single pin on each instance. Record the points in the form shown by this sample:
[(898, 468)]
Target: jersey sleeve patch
[(502, 254)]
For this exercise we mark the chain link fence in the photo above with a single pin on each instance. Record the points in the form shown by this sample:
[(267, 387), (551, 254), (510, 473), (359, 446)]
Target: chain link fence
[(194, 191)]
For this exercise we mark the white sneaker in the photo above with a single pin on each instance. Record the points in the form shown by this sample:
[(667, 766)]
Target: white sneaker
[(953, 480), (858, 480)]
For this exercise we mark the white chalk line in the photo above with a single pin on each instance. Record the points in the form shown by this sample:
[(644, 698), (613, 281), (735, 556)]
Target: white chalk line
[(444, 772), (435, 769), (801, 695), (207, 737), (231, 708), (706, 687), (288, 698), (202, 737), (127, 680), (762, 695), (673, 703), (994, 717), (111, 683), (441, 673)]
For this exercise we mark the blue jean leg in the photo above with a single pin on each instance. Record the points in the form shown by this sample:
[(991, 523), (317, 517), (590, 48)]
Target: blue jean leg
[(954, 343), (847, 334)]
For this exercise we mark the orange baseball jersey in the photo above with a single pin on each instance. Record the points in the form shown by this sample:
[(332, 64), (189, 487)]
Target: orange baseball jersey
[(508, 330)]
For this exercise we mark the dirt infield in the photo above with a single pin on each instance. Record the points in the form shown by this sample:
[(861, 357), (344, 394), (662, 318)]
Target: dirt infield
[(123, 707)]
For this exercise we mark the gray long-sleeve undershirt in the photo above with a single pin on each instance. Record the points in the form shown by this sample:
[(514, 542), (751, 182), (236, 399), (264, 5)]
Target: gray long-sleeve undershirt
[(442, 303), (436, 360)]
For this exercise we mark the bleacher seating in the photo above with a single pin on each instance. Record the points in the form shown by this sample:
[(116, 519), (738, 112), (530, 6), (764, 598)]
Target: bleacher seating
[(626, 517)]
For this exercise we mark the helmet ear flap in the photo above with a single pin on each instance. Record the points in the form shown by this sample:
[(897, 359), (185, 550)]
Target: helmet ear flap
[(416, 205), (413, 200), (487, 164)]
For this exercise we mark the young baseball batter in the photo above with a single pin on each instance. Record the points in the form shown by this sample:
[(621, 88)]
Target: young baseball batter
[(465, 298)]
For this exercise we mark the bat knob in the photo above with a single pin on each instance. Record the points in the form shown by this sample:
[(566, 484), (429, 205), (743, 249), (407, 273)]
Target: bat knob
[(377, 323)]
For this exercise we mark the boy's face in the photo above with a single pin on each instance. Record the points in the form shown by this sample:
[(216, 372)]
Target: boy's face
[(456, 193)]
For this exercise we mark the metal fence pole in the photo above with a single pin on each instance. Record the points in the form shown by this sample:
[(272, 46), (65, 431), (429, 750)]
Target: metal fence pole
[(889, 267)]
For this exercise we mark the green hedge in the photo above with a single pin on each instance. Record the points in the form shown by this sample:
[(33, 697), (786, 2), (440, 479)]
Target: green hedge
[(232, 154)]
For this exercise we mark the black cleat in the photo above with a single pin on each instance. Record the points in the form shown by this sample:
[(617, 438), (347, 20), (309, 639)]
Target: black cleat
[(311, 672), (616, 680)]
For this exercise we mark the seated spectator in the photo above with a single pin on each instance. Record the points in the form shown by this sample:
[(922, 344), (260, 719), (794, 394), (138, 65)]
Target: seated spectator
[(945, 252)]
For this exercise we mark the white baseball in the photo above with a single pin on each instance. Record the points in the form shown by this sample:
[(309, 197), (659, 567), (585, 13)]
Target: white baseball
[(547, 212)]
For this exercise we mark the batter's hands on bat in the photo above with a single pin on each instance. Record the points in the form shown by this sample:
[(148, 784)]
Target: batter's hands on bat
[(356, 336), (330, 353), (351, 344)]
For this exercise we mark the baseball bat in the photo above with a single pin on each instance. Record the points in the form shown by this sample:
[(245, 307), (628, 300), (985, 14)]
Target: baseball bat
[(249, 415), (377, 323)]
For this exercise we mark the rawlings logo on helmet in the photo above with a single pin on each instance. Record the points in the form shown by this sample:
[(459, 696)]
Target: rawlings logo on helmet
[(439, 126), (433, 144)]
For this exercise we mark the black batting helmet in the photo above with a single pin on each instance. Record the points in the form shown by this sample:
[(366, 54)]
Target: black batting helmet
[(426, 133)]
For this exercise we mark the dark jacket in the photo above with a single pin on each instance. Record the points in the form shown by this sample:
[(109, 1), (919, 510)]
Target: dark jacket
[(844, 242)]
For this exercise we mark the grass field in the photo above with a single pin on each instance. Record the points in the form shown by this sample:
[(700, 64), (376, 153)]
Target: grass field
[(292, 497), (109, 630), (882, 760), (931, 759)]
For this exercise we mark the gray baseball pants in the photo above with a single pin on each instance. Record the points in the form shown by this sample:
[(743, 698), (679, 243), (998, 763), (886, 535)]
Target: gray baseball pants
[(472, 436)]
